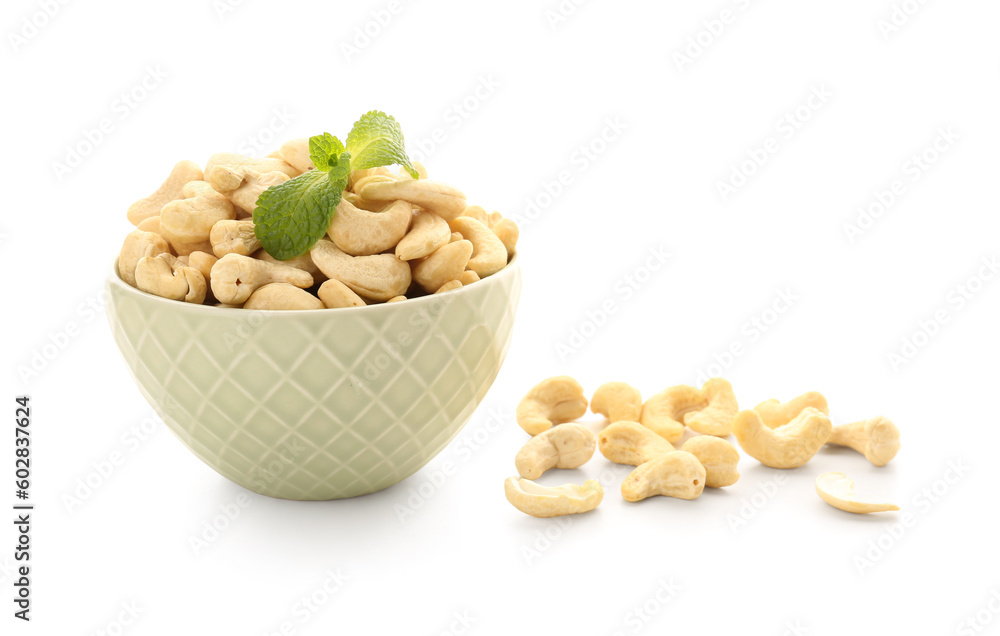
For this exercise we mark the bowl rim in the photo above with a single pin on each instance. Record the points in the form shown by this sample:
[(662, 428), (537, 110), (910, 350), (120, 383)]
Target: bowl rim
[(114, 278)]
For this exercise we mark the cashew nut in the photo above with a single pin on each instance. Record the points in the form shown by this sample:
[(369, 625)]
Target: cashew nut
[(775, 413), (396, 299), (441, 199), (149, 224), (542, 501), (234, 237), (245, 196), (787, 446), (137, 245), (282, 296), (717, 417), (336, 294), (451, 285), (478, 213), (551, 401), (631, 443), (719, 458), (358, 175), (403, 175), (678, 474), (837, 489), (617, 401), (455, 237), (182, 173), (489, 255), (233, 166), (378, 277), (445, 264), (296, 154), (428, 233), (166, 276), (508, 232), (363, 204), (303, 262), (190, 220), (664, 412), (203, 262), (568, 446), (468, 277), (362, 233), (236, 277), (372, 178), (876, 438)]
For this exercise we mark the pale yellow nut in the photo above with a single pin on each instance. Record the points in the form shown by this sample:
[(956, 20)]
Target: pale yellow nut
[(403, 175), (678, 474), (234, 237), (493, 218), (451, 285), (617, 401), (396, 299), (876, 438), (489, 255), (376, 277), (245, 196), (303, 262), (552, 401), (236, 277), (631, 443), (664, 412), (137, 245), (478, 213), (445, 264), (362, 233), (231, 161), (436, 197), (363, 204), (165, 276), (508, 232), (186, 249), (455, 237), (775, 413), (719, 458), (717, 416), (428, 232), (543, 501), (358, 175), (566, 446), (837, 489), (183, 173), (788, 446), (373, 178), (150, 224), (296, 154), (190, 219), (282, 297), (203, 262), (336, 294), (468, 277)]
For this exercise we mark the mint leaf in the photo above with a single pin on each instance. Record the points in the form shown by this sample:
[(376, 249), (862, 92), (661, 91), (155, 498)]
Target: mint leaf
[(291, 216), (377, 140), (325, 151)]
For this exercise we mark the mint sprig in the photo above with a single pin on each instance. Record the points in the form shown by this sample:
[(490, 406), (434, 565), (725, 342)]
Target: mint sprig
[(291, 216)]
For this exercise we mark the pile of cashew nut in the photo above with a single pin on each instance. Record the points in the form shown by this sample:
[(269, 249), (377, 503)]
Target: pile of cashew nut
[(642, 434), (392, 238)]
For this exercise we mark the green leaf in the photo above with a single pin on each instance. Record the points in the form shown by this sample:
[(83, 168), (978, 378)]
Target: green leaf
[(377, 140), (325, 151), (291, 216)]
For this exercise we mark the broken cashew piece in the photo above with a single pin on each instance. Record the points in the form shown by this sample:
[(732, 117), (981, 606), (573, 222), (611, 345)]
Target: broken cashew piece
[(788, 446), (837, 489), (678, 474), (168, 277), (552, 401), (876, 438), (664, 412), (542, 501), (568, 446), (717, 417), (377, 277), (617, 401), (336, 294), (775, 413), (282, 296), (234, 237), (631, 443), (428, 233), (445, 264), (236, 277), (441, 199), (719, 458), (362, 233), (183, 173)]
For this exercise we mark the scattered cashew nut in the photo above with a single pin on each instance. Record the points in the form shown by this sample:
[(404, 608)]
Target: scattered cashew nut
[(568, 446), (631, 443), (617, 401), (663, 413), (551, 401), (837, 489), (788, 446), (719, 458), (717, 417), (775, 413), (678, 474), (876, 438), (542, 501)]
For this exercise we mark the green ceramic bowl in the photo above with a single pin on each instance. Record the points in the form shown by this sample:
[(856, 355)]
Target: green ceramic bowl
[(318, 404)]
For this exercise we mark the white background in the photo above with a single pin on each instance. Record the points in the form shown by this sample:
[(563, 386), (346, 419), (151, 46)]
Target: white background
[(765, 556)]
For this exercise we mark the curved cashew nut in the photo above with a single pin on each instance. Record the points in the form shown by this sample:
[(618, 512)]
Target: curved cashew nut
[(362, 233), (551, 401), (336, 294), (372, 178), (233, 166), (876, 438), (451, 285), (468, 277), (445, 264), (837, 489), (166, 276), (678, 474), (296, 154), (183, 173), (378, 277), (244, 197), (234, 237), (717, 417), (617, 401), (282, 296), (478, 213), (568, 446), (236, 277), (303, 262), (508, 232), (190, 220), (203, 262), (441, 199), (788, 446), (403, 175), (719, 458), (428, 233), (631, 443), (541, 501), (775, 413), (137, 245), (489, 255), (664, 412), (358, 175), (362, 204)]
